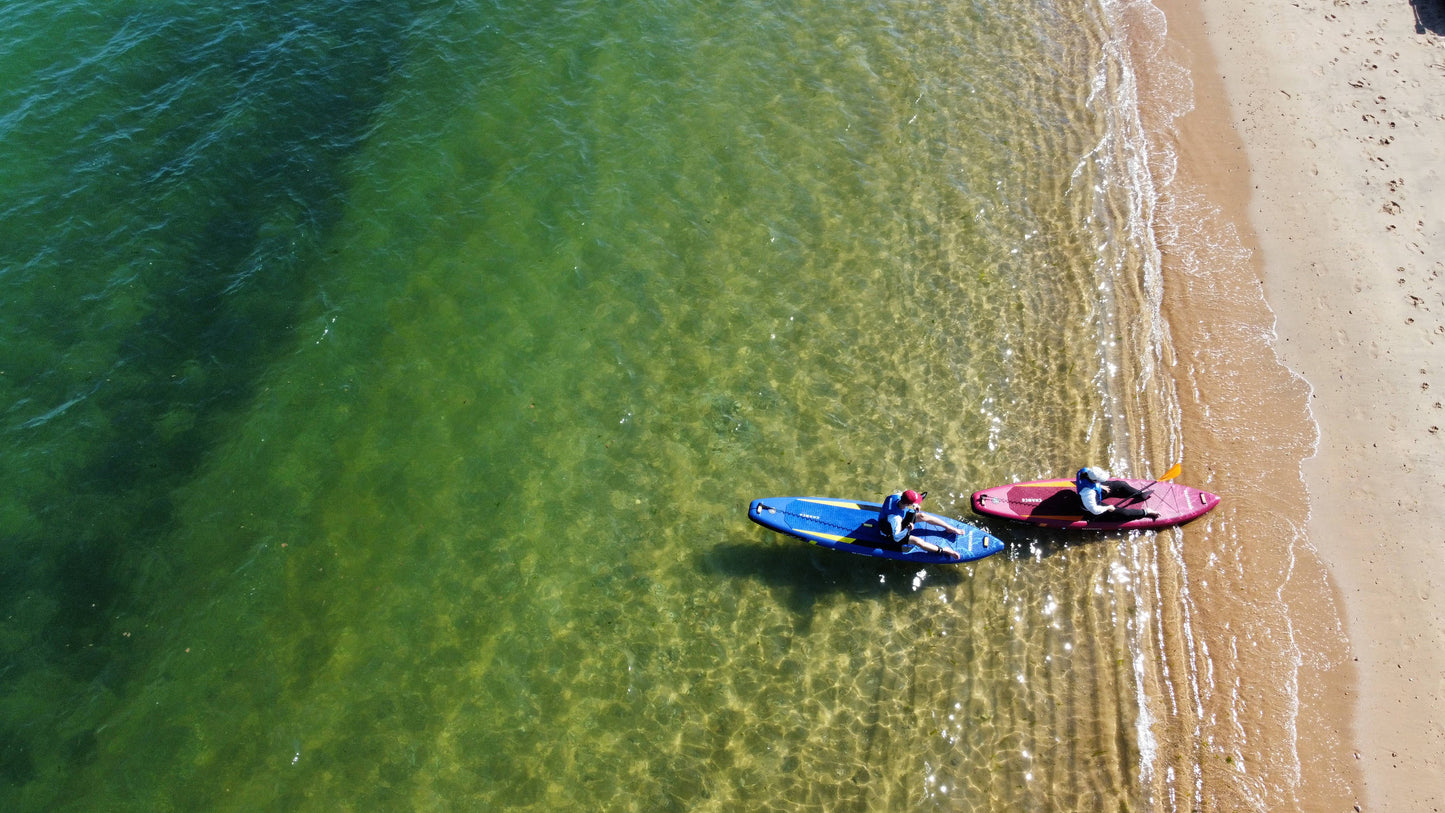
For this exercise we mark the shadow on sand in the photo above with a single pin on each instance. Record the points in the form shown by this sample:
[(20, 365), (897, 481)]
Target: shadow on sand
[(801, 574)]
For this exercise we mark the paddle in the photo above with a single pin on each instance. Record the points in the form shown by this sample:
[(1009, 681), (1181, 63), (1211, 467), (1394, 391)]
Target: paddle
[(1173, 472)]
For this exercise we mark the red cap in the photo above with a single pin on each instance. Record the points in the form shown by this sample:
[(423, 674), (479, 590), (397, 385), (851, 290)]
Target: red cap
[(911, 496)]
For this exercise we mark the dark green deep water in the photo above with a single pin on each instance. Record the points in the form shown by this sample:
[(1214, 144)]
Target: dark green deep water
[(384, 384)]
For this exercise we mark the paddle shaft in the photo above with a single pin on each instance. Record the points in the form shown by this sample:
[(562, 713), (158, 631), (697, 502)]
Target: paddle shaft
[(1173, 472)]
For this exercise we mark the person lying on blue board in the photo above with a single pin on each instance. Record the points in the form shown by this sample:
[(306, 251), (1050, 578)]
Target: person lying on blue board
[(901, 511), (1094, 485)]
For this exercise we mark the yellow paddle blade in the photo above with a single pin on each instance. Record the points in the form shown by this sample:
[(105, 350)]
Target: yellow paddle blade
[(1173, 472)]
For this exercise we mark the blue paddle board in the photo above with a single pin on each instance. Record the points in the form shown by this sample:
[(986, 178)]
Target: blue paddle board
[(852, 526)]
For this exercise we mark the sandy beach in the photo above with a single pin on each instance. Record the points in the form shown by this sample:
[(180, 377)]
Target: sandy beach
[(1319, 131)]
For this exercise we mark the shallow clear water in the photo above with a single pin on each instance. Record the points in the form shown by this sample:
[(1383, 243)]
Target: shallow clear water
[(385, 385)]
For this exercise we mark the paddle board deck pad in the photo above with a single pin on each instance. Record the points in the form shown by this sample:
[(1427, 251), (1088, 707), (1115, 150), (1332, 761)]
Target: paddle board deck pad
[(1056, 504), (852, 526)]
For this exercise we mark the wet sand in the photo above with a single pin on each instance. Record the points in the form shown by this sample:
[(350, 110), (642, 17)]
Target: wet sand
[(1319, 134)]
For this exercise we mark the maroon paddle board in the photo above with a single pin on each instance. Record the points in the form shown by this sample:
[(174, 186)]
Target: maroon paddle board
[(1056, 504)]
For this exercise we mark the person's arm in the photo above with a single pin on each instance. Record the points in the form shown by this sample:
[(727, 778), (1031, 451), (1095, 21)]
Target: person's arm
[(1091, 502)]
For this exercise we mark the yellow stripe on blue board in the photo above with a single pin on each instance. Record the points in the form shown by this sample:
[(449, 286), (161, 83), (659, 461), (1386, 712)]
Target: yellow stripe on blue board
[(838, 504), (832, 537)]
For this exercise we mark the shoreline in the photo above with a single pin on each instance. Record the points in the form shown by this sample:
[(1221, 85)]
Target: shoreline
[(1313, 131)]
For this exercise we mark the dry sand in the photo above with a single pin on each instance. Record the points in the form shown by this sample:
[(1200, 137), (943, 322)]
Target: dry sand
[(1340, 190)]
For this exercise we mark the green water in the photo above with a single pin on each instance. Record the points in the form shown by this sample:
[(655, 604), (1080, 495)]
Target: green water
[(386, 385)]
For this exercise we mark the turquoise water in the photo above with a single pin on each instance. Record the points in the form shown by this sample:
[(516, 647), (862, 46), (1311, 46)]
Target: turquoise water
[(385, 384)]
